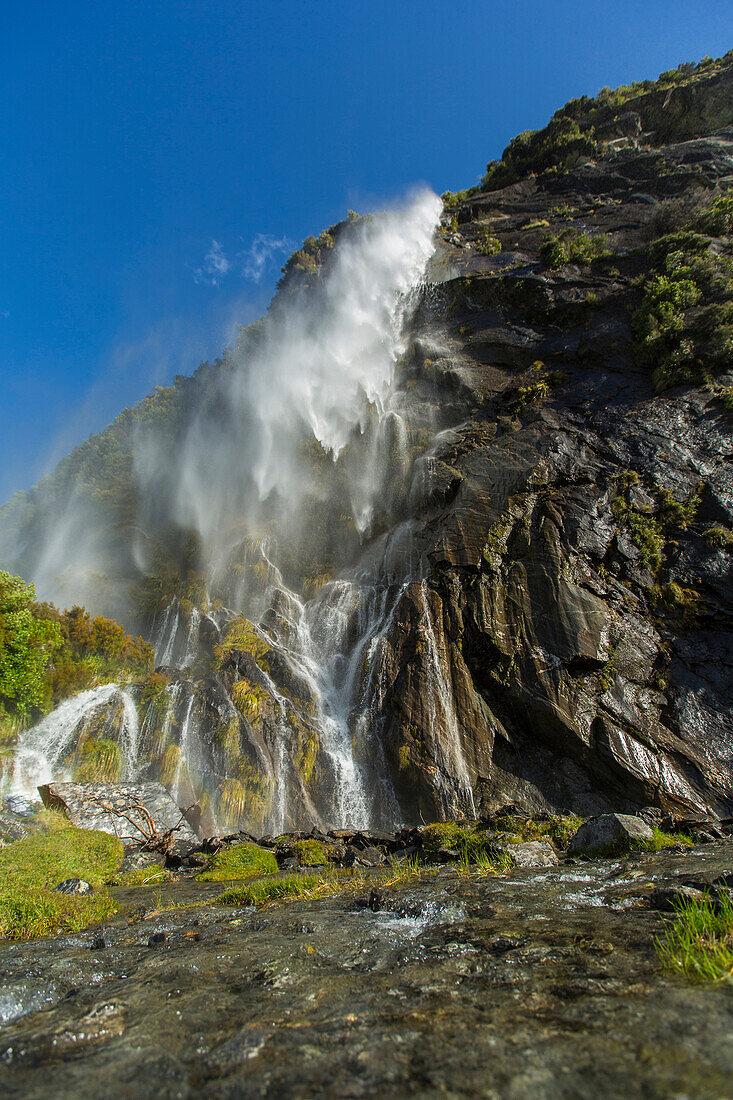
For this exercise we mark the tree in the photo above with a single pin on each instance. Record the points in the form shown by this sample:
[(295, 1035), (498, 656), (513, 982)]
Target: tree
[(26, 644)]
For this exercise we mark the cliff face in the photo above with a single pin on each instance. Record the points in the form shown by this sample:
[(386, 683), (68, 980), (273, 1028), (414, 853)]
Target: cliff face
[(541, 611), (578, 528)]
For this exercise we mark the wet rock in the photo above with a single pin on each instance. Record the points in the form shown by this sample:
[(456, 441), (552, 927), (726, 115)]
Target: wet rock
[(73, 886), (608, 832), (101, 941), (157, 939), (669, 898), (368, 857)]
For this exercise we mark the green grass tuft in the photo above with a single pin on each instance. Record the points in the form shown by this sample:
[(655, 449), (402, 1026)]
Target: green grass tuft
[(699, 942), (239, 861), (266, 890)]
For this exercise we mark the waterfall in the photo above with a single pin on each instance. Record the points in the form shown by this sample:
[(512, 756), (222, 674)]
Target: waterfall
[(43, 750), (300, 448)]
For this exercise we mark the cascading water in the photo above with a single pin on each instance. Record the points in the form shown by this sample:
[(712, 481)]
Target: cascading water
[(44, 750), (308, 424)]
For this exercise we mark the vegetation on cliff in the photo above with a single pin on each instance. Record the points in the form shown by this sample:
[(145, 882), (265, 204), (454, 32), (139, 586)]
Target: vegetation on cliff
[(47, 655)]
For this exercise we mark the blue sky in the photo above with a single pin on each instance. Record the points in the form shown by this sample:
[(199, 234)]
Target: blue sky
[(159, 155)]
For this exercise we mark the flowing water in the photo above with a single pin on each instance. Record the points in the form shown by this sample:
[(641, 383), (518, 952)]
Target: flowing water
[(323, 378)]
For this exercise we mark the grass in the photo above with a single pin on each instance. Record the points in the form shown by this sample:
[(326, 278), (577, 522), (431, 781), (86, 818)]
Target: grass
[(32, 867), (142, 876), (699, 942), (239, 861), (267, 890)]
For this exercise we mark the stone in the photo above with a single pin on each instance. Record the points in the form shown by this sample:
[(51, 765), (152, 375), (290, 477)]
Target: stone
[(369, 857), (532, 853), (608, 832), (669, 898), (102, 806), (157, 939), (73, 886)]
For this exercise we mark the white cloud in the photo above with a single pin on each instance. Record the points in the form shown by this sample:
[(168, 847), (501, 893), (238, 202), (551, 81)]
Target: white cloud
[(250, 263), (262, 249), (214, 267)]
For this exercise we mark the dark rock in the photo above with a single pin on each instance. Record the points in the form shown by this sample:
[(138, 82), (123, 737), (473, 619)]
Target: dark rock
[(669, 898), (101, 941), (157, 939), (608, 832), (375, 901), (73, 886)]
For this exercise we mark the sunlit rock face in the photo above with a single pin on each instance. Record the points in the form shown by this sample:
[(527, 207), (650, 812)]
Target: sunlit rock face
[(410, 550)]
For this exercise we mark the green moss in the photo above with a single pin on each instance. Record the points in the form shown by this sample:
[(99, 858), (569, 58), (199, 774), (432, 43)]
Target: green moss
[(31, 868), (311, 853), (718, 536), (239, 861), (240, 636), (142, 876), (249, 699)]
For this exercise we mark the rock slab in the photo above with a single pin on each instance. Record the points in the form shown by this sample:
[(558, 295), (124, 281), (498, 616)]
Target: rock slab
[(117, 808)]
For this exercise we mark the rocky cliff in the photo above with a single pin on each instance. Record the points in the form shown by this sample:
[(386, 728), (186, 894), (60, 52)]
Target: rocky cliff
[(539, 610)]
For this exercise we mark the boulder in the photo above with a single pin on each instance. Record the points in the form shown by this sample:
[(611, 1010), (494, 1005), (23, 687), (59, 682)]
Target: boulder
[(119, 808), (609, 832), (532, 853)]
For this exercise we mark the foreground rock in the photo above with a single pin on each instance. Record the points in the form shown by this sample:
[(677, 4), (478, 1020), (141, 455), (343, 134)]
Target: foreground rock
[(542, 983)]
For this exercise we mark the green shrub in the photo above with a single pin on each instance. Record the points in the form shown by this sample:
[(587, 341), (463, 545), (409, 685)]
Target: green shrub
[(573, 247), (488, 245), (450, 834), (718, 536), (239, 861)]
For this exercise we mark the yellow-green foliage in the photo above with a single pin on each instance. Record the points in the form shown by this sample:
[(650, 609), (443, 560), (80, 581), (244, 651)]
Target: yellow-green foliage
[(718, 536), (100, 761), (265, 890), (699, 942), (306, 758), (248, 698), (488, 245), (231, 801), (170, 764), (239, 861), (570, 247), (684, 325), (31, 868), (240, 636)]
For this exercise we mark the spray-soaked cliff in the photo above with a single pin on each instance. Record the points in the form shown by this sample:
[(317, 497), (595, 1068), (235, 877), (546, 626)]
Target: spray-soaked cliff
[(452, 526)]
